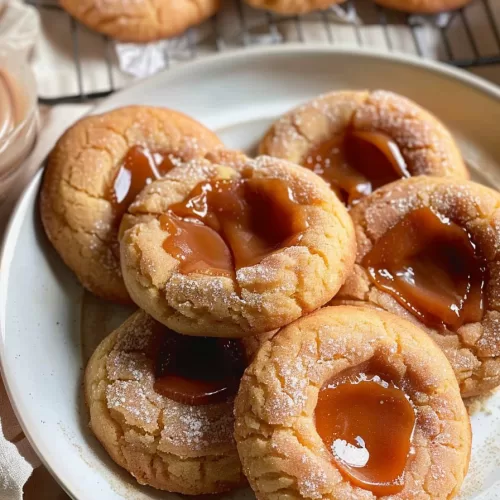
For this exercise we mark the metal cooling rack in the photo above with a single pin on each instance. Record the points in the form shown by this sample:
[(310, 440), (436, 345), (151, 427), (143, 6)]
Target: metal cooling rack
[(456, 37)]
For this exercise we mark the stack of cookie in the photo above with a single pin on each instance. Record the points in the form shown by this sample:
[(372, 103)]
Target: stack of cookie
[(309, 320), (148, 20)]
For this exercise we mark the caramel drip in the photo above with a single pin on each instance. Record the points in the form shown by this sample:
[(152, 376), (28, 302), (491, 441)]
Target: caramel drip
[(357, 163), (225, 225), (430, 265), (198, 370), (367, 424), (139, 168)]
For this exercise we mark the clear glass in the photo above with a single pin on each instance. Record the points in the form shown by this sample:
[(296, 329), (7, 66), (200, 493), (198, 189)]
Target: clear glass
[(16, 145)]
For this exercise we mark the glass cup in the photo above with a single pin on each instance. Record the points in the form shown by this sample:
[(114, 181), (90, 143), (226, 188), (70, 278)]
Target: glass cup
[(18, 118)]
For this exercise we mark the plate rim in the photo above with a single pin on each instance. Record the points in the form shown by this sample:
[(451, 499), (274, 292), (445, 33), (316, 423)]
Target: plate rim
[(17, 215)]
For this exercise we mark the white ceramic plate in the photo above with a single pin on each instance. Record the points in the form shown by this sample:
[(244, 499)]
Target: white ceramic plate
[(42, 346)]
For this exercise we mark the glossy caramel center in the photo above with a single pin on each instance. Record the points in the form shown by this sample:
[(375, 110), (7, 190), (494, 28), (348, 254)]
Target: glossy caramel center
[(198, 370), (367, 424), (430, 265), (140, 167), (357, 163), (225, 225)]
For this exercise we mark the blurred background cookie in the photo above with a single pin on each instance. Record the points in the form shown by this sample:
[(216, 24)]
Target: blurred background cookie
[(428, 250), (352, 403), (304, 6), (95, 171), (141, 20), (423, 6), (292, 6), (231, 247), (359, 140), (162, 406)]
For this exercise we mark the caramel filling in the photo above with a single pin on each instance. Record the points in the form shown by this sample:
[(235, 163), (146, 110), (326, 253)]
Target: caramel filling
[(198, 370), (368, 425), (225, 225), (357, 163), (140, 167), (430, 265)]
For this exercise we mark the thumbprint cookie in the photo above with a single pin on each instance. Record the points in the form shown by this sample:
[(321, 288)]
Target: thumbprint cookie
[(350, 403), (423, 6), (162, 403), (228, 246), (428, 250), (141, 20), (359, 140), (292, 6), (95, 171)]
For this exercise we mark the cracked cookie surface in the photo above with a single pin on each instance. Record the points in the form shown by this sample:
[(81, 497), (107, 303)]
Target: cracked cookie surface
[(141, 20), (284, 285), (283, 455), (474, 348), (425, 145), (76, 197), (162, 443)]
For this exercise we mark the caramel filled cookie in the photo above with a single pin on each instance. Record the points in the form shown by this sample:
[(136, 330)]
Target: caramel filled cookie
[(292, 6), (230, 246), (350, 403), (428, 250), (162, 406), (141, 20), (423, 6), (95, 171), (358, 141)]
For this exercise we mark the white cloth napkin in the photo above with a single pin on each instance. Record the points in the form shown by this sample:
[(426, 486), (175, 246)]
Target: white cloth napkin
[(17, 459)]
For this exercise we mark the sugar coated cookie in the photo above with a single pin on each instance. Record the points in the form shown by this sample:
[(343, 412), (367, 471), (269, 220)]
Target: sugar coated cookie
[(359, 140), (95, 171), (428, 250), (162, 406), (230, 246), (350, 403)]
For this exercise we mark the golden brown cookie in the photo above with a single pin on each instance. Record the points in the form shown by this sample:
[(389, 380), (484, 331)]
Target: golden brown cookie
[(350, 403), (293, 6), (359, 140), (423, 6), (428, 250), (182, 443), (95, 171), (141, 20), (231, 247)]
